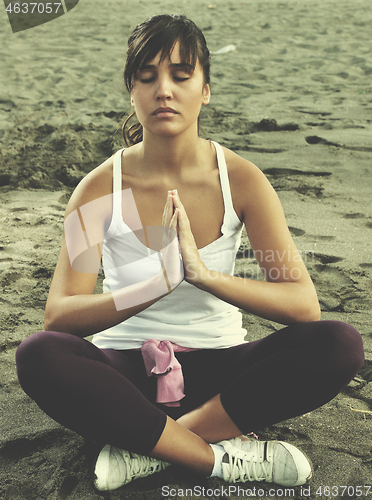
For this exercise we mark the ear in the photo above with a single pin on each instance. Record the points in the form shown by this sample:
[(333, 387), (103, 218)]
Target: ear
[(206, 94), (131, 100)]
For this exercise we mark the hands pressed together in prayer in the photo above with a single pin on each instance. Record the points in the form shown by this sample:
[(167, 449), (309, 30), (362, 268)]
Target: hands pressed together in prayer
[(175, 217)]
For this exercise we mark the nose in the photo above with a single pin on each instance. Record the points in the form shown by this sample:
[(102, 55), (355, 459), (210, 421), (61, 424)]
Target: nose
[(164, 90)]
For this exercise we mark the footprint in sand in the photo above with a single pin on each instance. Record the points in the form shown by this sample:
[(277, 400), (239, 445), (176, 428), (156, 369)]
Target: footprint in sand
[(314, 139), (337, 290), (327, 259), (366, 371), (366, 265), (354, 216), (295, 231), (306, 182)]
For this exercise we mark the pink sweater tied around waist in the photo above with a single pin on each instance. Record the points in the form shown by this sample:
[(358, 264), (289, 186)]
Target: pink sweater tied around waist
[(161, 362)]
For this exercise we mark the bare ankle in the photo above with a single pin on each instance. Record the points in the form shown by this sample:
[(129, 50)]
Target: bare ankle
[(180, 446), (210, 421)]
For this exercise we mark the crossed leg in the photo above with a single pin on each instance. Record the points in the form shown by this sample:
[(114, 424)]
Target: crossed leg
[(105, 396)]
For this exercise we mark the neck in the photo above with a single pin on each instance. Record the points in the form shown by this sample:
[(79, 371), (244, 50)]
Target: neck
[(171, 154)]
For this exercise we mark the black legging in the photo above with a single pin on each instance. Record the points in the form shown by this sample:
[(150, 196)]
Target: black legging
[(105, 395)]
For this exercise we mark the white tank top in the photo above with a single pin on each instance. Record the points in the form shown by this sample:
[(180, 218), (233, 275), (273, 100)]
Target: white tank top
[(188, 316)]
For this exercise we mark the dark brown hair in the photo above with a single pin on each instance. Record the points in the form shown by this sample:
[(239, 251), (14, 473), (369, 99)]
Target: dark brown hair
[(160, 34)]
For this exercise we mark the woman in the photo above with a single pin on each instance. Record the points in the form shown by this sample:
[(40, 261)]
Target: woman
[(167, 213)]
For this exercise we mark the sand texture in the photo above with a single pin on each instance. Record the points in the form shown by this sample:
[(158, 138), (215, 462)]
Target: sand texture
[(294, 97)]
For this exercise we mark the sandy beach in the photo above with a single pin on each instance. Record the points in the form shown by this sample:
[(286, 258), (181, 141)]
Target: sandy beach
[(295, 98)]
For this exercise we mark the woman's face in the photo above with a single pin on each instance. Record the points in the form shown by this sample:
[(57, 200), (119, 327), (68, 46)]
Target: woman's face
[(167, 95)]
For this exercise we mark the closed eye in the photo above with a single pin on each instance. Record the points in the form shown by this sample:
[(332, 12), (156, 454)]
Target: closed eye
[(179, 73), (152, 78), (147, 80)]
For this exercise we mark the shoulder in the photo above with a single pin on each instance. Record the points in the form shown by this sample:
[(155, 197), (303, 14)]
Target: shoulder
[(238, 166), (249, 186), (96, 185)]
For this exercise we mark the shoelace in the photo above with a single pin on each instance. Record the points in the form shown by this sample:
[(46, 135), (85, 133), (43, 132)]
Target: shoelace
[(142, 466), (248, 467)]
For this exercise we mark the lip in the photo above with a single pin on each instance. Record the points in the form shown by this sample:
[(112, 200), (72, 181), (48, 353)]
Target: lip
[(165, 111)]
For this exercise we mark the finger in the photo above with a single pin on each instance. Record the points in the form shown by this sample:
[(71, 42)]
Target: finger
[(168, 210), (183, 220), (170, 230), (182, 212), (176, 199), (174, 220), (164, 218), (171, 201)]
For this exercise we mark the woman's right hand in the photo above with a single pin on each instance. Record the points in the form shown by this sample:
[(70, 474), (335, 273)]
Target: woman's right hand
[(171, 255)]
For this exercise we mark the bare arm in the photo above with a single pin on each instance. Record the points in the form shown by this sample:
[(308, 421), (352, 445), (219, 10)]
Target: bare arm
[(71, 306), (288, 294)]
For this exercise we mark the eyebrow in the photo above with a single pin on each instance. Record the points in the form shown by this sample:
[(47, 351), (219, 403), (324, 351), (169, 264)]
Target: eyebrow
[(186, 66)]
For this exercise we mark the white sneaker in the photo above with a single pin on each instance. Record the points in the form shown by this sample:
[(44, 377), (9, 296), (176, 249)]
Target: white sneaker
[(271, 461), (116, 467)]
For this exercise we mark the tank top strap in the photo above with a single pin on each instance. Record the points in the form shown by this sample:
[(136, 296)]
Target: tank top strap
[(225, 184), (117, 185)]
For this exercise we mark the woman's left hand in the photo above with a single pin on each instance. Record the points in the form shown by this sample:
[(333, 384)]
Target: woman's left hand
[(193, 264)]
